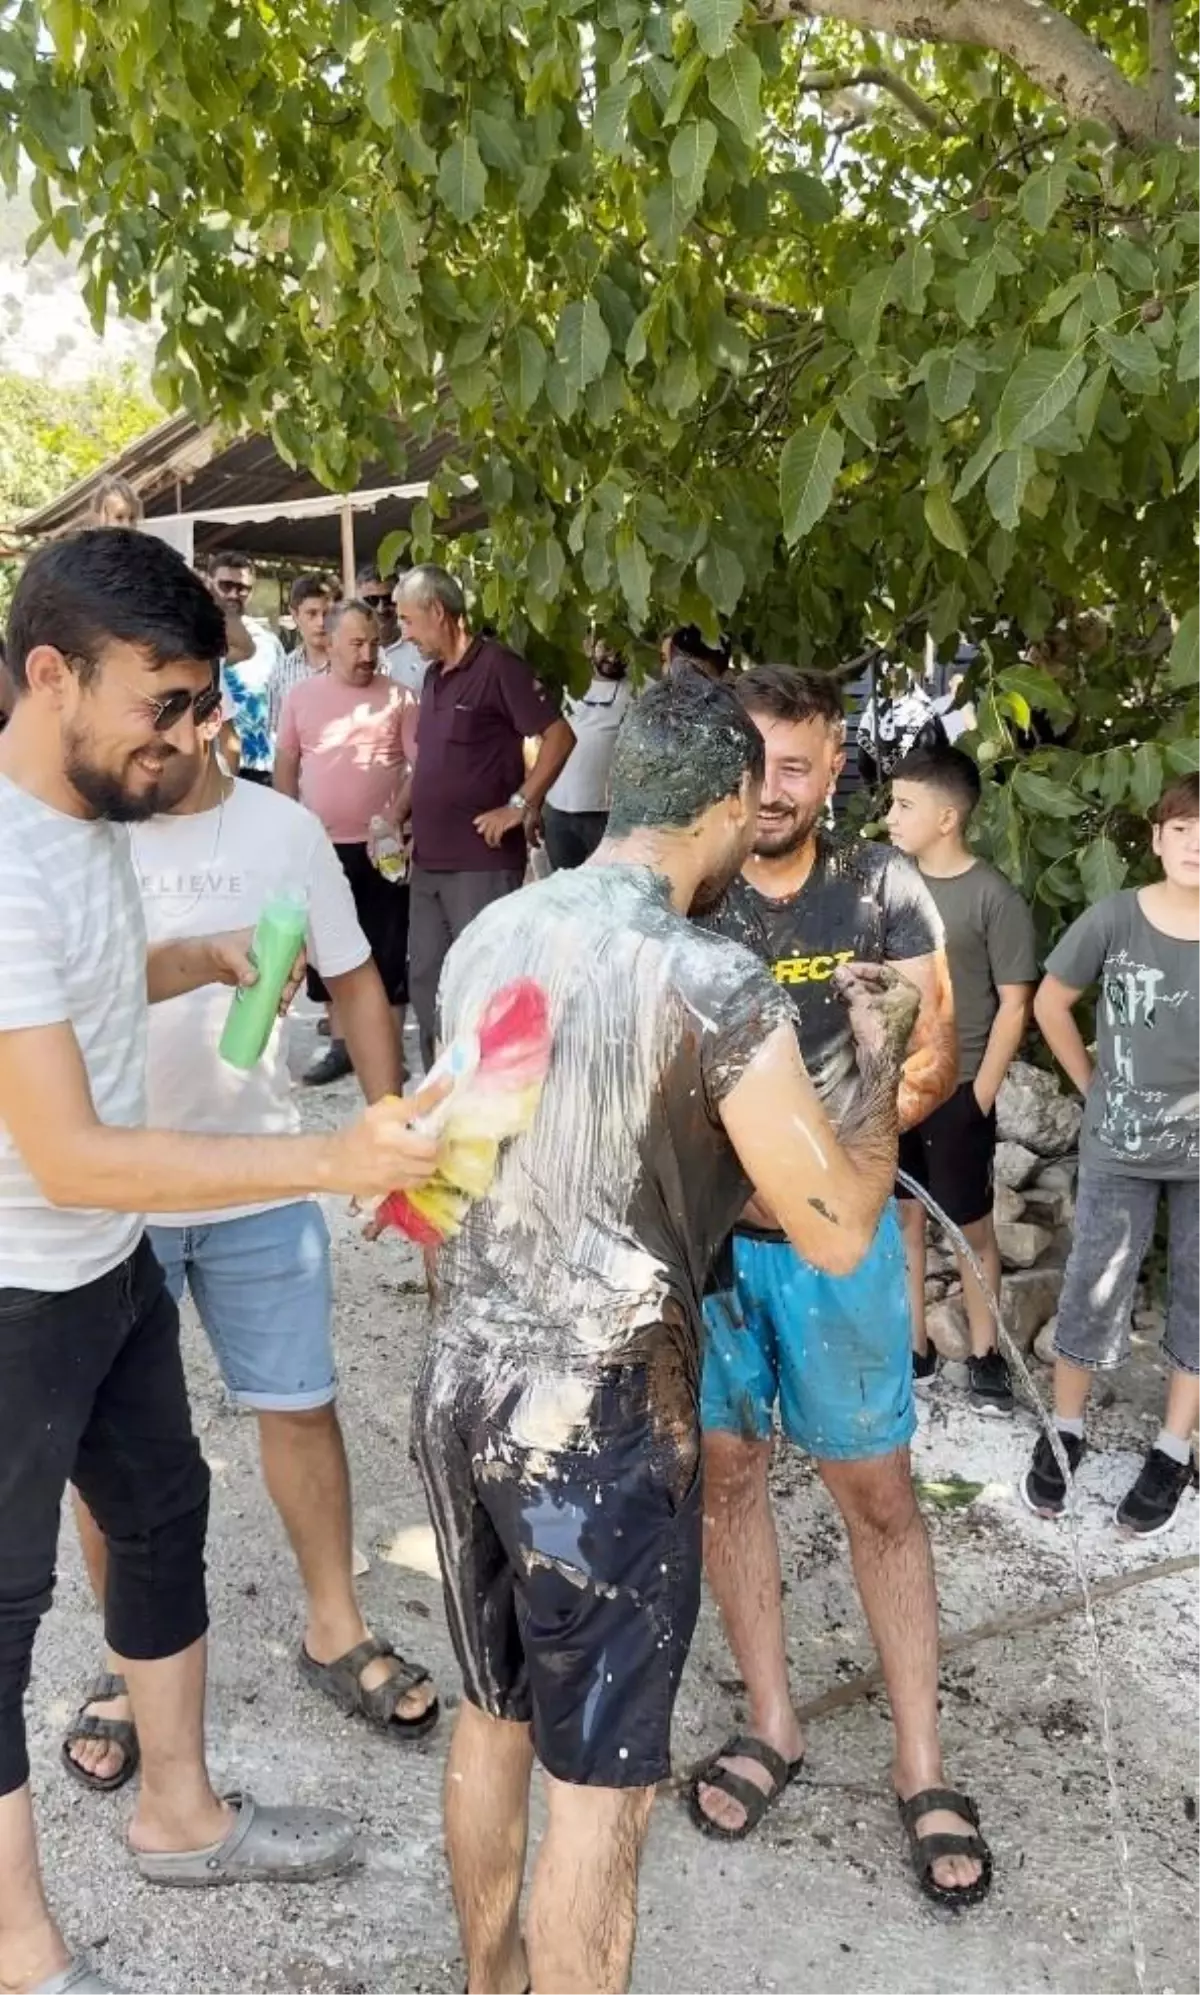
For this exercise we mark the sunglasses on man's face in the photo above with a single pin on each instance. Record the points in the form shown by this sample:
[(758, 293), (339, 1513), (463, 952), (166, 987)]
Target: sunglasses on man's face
[(226, 587), (378, 602), (169, 712)]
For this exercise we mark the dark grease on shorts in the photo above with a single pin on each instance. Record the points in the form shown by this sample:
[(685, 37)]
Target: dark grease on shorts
[(819, 1205), (683, 746)]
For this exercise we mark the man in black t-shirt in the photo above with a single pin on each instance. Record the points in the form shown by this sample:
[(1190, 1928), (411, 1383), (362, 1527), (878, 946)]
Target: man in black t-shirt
[(834, 1351)]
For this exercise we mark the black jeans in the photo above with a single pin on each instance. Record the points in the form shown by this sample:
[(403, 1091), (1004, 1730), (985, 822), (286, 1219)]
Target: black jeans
[(92, 1392), (441, 905), (571, 835)]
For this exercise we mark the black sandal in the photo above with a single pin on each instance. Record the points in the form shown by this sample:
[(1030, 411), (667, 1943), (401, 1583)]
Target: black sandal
[(341, 1679), (116, 1731), (748, 1795), (926, 1850)]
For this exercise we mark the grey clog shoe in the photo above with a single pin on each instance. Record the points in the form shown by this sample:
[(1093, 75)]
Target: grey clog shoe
[(264, 1846)]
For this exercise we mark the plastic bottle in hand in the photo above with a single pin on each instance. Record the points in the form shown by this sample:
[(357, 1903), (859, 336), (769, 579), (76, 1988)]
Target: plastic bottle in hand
[(278, 938), (387, 851)]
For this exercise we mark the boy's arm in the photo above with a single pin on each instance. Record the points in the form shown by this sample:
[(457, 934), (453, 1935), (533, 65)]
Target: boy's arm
[(1053, 1007), (1004, 1041), (929, 1075)]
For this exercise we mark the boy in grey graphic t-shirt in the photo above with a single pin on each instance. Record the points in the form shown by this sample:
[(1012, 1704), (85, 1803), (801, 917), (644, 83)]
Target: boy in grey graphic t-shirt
[(1140, 1140)]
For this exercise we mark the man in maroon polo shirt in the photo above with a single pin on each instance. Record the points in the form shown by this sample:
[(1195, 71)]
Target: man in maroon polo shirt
[(472, 802)]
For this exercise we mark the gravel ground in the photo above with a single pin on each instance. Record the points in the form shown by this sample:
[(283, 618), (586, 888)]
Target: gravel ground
[(820, 1898)]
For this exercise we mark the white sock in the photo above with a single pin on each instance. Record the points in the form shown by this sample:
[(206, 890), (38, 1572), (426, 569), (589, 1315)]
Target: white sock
[(1074, 1427), (1170, 1444)]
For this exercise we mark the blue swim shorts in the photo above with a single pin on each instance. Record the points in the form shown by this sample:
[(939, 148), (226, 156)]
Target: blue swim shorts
[(835, 1350), (262, 1286)]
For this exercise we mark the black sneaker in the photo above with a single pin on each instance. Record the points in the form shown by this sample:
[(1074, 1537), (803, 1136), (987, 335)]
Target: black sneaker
[(991, 1386), (1043, 1488), (1152, 1502), (925, 1367), (332, 1065)]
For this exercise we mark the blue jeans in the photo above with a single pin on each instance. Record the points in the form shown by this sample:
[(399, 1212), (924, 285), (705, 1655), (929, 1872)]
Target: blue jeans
[(264, 1293), (835, 1350)]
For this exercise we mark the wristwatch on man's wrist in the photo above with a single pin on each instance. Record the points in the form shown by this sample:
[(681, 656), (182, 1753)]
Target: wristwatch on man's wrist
[(518, 801)]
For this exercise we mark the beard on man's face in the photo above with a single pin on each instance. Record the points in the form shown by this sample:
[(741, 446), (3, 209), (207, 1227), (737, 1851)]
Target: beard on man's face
[(126, 798), (783, 828)]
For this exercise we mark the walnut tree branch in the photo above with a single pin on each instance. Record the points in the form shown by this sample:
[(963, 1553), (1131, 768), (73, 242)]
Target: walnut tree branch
[(1053, 51), (822, 80)]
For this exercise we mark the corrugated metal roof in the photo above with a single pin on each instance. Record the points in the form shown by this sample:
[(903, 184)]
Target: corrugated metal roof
[(182, 466)]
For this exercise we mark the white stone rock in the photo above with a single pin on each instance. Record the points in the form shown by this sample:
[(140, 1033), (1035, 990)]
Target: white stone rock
[(946, 1323), (1032, 1109), (1008, 1205), (1043, 1343), (1027, 1301), (1021, 1242), (1015, 1165)]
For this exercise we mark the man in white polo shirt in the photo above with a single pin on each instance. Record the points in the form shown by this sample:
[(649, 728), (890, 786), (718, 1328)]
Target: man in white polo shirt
[(113, 645), (260, 1275)]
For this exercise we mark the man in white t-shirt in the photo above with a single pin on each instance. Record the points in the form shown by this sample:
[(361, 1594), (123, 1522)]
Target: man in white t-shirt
[(575, 812), (260, 1275), (113, 645)]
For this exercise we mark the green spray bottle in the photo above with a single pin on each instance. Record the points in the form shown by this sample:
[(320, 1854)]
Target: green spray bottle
[(278, 937)]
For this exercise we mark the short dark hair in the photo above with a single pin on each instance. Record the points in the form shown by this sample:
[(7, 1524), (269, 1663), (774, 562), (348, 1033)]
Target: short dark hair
[(946, 770), (231, 557), (688, 642), (784, 692), (367, 573), (684, 745), (305, 587), (111, 582), (1181, 798)]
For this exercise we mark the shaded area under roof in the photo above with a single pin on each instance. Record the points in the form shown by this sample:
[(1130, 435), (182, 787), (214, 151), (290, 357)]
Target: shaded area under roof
[(184, 467)]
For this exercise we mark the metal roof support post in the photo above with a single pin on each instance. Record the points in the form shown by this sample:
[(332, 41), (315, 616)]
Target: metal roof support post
[(347, 547)]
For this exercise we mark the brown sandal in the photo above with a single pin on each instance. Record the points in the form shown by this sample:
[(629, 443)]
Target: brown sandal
[(342, 1680)]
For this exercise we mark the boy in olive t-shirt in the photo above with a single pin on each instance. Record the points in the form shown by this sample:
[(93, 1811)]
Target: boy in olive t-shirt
[(1140, 1142), (993, 969)]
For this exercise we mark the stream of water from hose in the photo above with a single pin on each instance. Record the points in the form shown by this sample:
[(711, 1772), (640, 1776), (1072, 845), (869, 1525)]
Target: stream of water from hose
[(1116, 1805)]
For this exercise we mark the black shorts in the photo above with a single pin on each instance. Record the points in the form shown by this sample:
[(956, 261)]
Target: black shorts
[(572, 1576), (953, 1154), (382, 909)]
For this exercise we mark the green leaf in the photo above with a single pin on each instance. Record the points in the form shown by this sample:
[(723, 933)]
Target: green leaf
[(691, 151), (1037, 688), (808, 467), (977, 464), (864, 310), (545, 568), (1134, 357), (1183, 664), (944, 521), (715, 21), (1189, 467), (666, 216), (633, 573), (1043, 194), (912, 275), (1147, 779), (1182, 757), (811, 195), (582, 342), (734, 83), (462, 179), (523, 370), (1040, 387), (1101, 869), (1091, 397), (689, 75), (499, 144), (1043, 794), (1006, 483), (721, 576), (64, 18), (949, 384), (975, 287), (1189, 337), (612, 113)]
